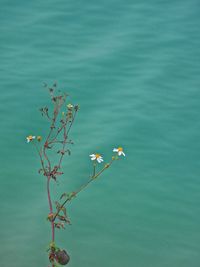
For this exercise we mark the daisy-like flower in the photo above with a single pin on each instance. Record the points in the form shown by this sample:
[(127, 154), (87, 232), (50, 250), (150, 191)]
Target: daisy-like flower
[(30, 138), (96, 157), (119, 151)]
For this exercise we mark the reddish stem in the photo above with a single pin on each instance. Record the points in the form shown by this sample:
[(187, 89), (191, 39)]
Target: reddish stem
[(50, 208)]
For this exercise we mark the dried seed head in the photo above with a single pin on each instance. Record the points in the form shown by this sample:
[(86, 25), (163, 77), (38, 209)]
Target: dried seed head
[(62, 257)]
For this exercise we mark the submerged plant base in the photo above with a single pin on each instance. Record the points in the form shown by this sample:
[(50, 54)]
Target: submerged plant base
[(62, 257)]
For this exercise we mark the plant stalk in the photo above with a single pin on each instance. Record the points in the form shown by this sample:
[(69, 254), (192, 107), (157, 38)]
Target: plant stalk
[(51, 211)]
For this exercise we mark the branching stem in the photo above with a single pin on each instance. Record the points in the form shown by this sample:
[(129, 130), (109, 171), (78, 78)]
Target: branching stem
[(83, 187)]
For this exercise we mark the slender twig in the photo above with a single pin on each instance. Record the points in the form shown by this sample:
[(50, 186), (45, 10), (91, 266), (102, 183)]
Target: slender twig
[(41, 159), (47, 159), (54, 139), (83, 187), (94, 169), (50, 206), (65, 136), (73, 119), (63, 148)]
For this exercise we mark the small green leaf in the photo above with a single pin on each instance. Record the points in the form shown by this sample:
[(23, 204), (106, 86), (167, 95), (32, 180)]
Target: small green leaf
[(64, 211), (71, 195), (68, 151), (63, 195), (57, 205)]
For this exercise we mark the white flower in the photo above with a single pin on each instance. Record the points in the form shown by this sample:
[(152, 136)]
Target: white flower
[(119, 151), (30, 138), (97, 157)]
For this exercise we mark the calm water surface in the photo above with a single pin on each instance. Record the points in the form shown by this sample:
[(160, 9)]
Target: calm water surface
[(134, 68)]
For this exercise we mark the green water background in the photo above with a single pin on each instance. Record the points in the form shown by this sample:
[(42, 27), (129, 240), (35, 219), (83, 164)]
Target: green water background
[(134, 68)]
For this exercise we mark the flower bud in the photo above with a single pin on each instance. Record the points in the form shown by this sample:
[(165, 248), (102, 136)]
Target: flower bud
[(50, 216), (76, 107), (70, 106), (39, 138)]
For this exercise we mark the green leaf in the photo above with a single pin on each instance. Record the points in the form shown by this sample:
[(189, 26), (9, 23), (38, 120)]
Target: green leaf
[(64, 211), (57, 205), (68, 151), (71, 195), (63, 195)]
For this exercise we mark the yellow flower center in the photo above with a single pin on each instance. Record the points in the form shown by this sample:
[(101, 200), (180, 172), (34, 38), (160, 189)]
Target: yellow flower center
[(120, 149), (97, 156), (30, 137)]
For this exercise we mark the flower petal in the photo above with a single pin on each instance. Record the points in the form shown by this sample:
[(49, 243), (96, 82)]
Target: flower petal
[(119, 153), (99, 159), (92, 155), (123, 154), (115, 150)]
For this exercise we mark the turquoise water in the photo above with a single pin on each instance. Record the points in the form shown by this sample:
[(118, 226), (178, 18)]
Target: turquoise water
[(134, 68)]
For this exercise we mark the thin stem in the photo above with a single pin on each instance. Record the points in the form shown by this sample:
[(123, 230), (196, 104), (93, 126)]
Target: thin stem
[(58, 131), (83, 187), (65, 135), (47, 159), (63, 148), (51, 210), (71, 123), (48, 193), (52, 127), (40, 155), (94, 169)]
